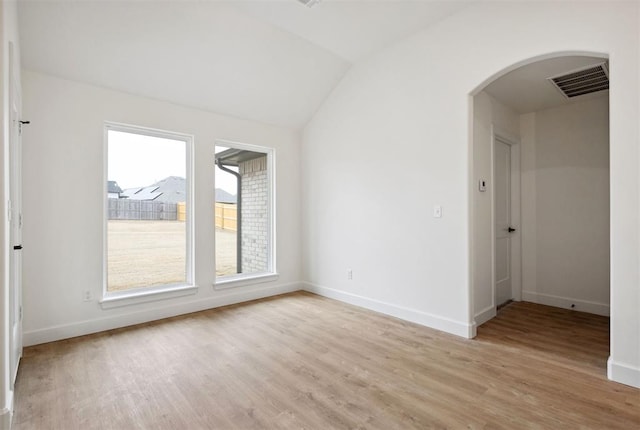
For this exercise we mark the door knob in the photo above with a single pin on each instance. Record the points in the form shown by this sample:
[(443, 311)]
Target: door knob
[(511, 230)]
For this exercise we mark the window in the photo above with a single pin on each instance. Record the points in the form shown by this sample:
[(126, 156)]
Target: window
[(244, 215), (148, 211)]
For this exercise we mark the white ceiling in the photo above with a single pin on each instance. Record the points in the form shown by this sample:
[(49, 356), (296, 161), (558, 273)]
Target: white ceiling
[(273, 61), (352, 29), (527, 88)]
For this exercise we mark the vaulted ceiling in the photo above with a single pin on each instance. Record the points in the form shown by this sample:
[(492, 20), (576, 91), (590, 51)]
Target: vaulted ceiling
[(273, 61)]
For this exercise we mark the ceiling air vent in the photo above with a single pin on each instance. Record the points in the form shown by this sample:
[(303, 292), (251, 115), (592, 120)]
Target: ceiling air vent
[(583, 81), (309, 3)]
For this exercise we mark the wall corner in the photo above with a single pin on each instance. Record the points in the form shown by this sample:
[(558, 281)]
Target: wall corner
[(623, 373)]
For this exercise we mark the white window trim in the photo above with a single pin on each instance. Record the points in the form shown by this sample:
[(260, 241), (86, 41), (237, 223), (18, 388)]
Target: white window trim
[(147, 294), (243, 279), (144, 295)]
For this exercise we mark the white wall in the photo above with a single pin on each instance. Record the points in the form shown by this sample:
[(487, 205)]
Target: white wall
[(63, 206), (489, 116), (8, 34), (570, 162), (397, 129)]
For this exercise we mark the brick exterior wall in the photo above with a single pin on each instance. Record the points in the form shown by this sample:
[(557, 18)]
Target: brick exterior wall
[(255, 215)]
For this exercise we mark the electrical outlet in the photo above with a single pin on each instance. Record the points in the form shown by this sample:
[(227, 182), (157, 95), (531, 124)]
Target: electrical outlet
[(86, 296), (349, 274)]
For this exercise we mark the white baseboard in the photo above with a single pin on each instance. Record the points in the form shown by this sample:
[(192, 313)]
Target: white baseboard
[(5, 419), (623, 373), (566, 302), (433, 321), (6, 413), (485, 315), (82, 328)]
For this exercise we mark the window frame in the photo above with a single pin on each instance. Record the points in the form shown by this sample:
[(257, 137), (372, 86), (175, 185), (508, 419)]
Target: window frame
[(271, 274), (159, 292)]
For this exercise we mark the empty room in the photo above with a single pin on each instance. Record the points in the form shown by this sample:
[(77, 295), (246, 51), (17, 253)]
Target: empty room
[(379, 214)]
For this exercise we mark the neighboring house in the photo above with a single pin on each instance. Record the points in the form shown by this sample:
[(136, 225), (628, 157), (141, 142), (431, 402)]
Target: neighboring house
[(141, 193), (223, 196), (169, 190), (113, 190), (165, 197), (172, 189)]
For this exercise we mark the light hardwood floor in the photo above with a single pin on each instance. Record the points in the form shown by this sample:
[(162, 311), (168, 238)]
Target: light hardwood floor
[(302, 361)]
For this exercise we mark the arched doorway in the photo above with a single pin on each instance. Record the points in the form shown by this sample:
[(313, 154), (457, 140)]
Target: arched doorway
[(540, 172)]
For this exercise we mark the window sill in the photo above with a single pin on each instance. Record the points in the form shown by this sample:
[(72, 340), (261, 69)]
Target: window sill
[(243, 280), (116, 300)]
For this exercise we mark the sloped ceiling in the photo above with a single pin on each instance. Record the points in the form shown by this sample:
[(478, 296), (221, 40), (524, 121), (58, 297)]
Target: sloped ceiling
[(269, 61), (353, 29)]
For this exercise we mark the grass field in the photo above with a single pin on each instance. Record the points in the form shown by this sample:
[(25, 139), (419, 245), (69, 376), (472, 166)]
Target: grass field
[(150, 253)]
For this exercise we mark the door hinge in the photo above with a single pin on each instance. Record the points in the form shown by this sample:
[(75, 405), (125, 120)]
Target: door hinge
[(20, 126), (20, 313)]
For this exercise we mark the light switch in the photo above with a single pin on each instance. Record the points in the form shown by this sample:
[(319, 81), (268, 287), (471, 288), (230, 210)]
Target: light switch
[(482, 185), (437, 211)]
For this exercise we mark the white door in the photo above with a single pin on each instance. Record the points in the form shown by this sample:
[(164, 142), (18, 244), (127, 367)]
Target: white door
[(502, 218), (15, 214)]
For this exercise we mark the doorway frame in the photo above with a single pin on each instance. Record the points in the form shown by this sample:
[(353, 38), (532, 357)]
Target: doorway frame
[(478, 317), (515, 257), (14, 217)]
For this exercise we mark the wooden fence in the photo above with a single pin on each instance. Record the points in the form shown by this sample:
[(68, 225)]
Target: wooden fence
[(227, 216), (124, 209), (182, 211)]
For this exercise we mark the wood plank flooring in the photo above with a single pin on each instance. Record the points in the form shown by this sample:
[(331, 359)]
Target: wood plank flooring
[(303, 361)]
